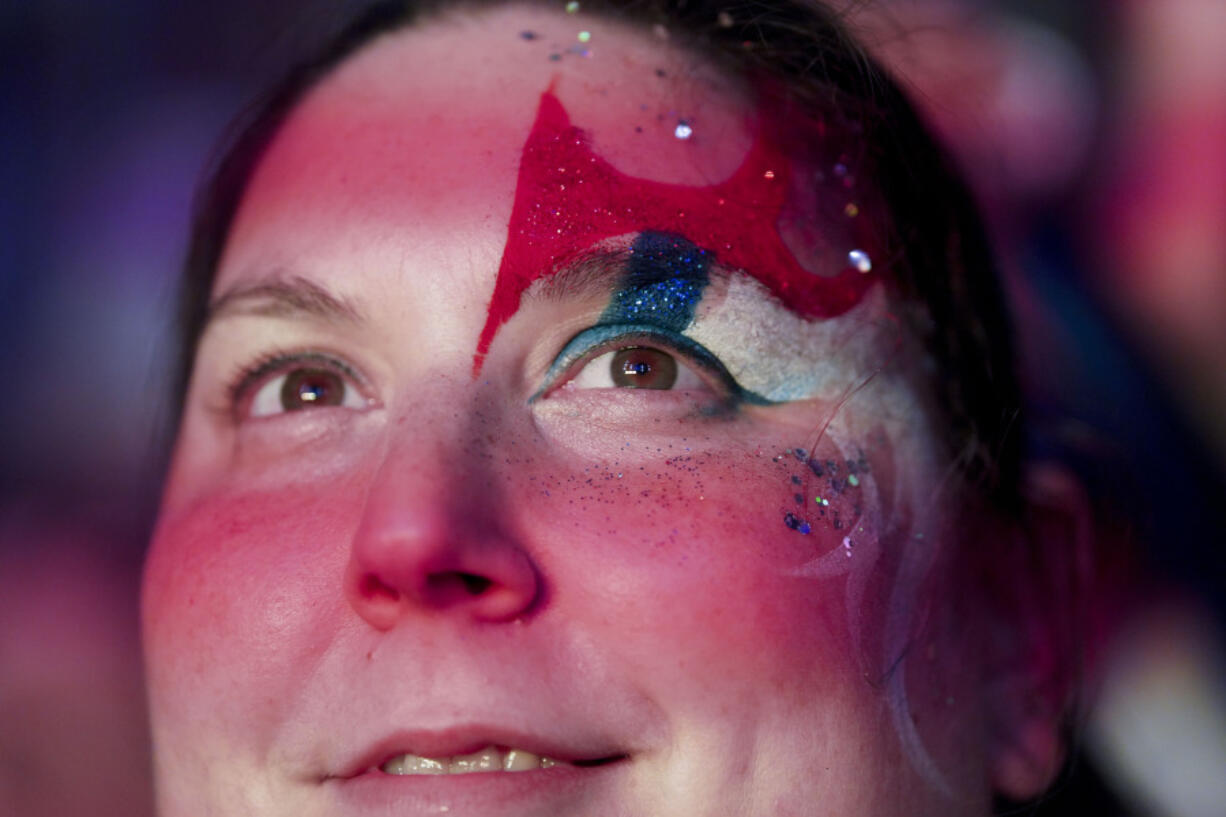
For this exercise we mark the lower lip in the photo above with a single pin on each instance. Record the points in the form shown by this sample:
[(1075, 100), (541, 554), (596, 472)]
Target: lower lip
[(562, 789)]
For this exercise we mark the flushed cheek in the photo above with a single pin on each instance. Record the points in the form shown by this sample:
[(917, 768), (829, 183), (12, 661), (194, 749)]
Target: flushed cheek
[(241, 595), (688, 559)]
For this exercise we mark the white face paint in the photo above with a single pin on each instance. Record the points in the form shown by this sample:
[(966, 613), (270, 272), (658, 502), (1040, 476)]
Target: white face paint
[(773, 352)]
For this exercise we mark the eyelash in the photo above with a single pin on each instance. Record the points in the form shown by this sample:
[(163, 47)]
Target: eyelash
[(614, 337), (242, 384)]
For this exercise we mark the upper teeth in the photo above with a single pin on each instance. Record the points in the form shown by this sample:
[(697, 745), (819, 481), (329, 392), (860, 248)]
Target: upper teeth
[(489, 759)]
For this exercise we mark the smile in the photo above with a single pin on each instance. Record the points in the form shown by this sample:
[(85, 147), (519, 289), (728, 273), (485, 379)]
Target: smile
[(489, 759)]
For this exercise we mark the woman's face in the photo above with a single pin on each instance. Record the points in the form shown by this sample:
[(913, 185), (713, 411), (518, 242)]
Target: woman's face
[(540, 409)]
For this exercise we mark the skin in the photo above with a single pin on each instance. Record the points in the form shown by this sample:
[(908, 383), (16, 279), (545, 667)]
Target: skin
[(310, 588)]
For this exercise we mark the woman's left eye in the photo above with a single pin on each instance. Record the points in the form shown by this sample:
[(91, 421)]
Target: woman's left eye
[(636, 367)]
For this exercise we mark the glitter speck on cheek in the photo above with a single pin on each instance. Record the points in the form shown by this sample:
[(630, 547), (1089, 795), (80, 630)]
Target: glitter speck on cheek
[(683, 130), (585, 36), (851, 210), (572, 6), (860, 261), (770, 174), (796, 523)]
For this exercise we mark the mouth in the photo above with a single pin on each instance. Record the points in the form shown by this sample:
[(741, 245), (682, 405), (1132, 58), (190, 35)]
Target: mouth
[(479, 751), (489, 760)]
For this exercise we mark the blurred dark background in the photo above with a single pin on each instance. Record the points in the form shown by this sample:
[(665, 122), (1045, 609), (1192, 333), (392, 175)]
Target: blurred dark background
[(1094, 133)]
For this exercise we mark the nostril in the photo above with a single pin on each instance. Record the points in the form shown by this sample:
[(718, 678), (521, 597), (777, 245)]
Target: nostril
[(475, 585), (454, 584)]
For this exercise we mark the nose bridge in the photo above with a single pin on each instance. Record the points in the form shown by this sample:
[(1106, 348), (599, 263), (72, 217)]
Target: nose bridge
[(424, 545)]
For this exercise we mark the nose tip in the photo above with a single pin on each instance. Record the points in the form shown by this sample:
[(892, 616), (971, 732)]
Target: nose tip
[(399, 570)]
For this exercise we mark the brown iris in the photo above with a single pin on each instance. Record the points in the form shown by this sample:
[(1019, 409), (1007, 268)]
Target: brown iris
[(312, 387), (642, 368)]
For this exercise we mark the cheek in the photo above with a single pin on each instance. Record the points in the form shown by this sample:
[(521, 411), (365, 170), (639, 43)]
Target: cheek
[(241, 596), (685, 557), (691, 557)]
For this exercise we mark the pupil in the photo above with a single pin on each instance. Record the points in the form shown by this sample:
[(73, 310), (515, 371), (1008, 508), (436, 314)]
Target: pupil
[(641, 368), (311, 387)]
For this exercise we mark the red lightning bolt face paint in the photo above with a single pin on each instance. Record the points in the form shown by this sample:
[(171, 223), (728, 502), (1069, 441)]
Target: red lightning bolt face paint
[(568, 198)]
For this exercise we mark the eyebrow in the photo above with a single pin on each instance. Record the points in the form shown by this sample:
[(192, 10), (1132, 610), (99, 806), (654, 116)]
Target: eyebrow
[(289, 297), (591, 274)]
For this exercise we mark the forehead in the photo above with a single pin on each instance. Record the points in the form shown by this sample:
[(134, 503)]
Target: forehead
[(425, 126)]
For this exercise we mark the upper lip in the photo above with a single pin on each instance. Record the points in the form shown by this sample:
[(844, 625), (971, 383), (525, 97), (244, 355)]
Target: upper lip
[(470, 738)]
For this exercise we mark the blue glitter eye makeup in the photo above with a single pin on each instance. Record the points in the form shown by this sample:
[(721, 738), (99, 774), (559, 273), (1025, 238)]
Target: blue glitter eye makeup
[(637, 342), (665, 278), (602, 357), (674, 296)]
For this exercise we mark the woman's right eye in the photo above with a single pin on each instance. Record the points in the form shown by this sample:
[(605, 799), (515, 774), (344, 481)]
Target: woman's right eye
[(281, 386), (301, 389)]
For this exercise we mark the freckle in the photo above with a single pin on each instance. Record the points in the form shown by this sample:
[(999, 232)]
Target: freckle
[(800, 499), (816, 467), (795, 479), (800, 454)]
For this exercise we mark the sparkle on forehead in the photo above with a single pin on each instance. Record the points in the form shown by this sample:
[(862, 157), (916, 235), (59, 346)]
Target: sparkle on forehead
[(568, 199)]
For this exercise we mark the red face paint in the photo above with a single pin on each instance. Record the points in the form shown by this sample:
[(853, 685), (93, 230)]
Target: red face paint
[(568, 199)]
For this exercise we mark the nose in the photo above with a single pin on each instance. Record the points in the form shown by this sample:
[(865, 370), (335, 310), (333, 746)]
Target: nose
[(419, 551)]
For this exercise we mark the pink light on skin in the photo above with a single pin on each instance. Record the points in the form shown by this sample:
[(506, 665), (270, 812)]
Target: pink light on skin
[(670, 623), (564, 204)]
